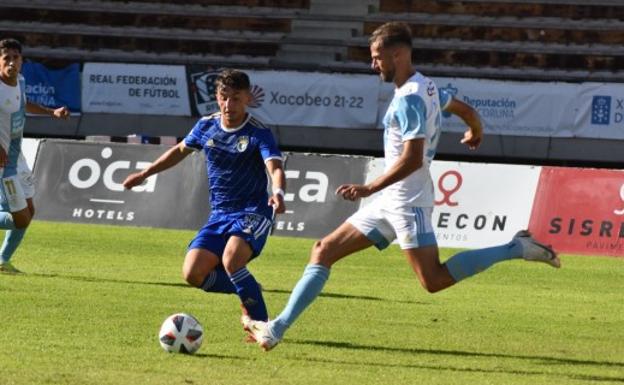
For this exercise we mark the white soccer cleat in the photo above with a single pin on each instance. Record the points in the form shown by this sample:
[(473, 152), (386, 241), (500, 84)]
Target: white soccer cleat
[(532, 250), (261, 333)]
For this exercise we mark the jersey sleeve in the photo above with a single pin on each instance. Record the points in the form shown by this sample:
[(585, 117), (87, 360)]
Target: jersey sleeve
[(410, 114), (266, 144), (445, 98), (193, 138)]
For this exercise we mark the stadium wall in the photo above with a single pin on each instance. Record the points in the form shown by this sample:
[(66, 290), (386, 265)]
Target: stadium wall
[(476, 204)]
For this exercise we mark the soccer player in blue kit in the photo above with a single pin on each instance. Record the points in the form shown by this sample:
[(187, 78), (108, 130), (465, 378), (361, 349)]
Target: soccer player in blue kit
[(239, 151), (17, 188), (403, 209)]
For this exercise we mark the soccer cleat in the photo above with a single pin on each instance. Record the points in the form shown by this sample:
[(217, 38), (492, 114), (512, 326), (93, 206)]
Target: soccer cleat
[(8, 268), (260, 332), (532, 250)]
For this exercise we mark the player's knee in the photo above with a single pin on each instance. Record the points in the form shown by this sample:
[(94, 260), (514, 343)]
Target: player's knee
[(432, 285), (192, 277), (321, 253)]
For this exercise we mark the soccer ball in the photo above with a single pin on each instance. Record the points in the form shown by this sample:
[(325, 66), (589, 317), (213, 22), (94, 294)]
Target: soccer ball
[(181, 333)]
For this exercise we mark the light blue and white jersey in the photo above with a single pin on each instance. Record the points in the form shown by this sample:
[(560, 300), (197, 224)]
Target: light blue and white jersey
[(12, 119), (413, 113), (235, 163)]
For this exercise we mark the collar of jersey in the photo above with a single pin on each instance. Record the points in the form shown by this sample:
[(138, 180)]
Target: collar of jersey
[(235, 128)]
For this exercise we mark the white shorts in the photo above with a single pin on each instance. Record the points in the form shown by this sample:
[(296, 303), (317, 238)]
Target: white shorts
[(411, 226), (17, 188)]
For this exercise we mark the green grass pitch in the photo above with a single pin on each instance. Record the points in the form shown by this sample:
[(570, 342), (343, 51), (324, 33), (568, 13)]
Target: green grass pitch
[(90, 306)]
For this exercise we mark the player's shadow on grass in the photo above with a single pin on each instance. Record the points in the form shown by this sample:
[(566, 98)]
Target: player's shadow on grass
[(539, 360), (109, 280), (349, 296), (183, 284)]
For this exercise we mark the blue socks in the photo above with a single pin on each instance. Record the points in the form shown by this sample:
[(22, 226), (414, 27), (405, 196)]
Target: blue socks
[(250, 295), (304, 293), (218, 281), (471, 262), (12, 240)]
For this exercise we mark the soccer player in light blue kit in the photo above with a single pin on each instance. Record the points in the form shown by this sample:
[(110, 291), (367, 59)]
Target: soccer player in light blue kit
[(17, 188), (403, 209), (239, 150)]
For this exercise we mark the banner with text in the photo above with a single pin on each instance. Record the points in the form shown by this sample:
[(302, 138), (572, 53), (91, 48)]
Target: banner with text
[(135, 89), (580, 210), (601, 111), (312, 208), (515, 108), (53, 87), (473, 201), (299, 98), (81, 182)]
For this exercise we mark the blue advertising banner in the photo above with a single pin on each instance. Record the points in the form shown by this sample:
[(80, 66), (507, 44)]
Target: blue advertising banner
[(53, 87)]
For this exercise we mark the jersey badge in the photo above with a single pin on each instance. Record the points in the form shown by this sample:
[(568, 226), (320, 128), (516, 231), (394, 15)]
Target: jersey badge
[(242, 143)]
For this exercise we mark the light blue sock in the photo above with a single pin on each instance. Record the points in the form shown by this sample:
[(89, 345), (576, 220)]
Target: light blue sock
[(12, 239), (6, 221), (304, 293), (471, 262)]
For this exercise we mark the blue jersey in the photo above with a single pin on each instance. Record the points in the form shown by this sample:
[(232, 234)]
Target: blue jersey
[(235, 163), (12, 119)]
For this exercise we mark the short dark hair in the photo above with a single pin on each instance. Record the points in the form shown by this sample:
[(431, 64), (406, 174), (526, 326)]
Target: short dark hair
[(10, 44), (231, 78), (392, 34)]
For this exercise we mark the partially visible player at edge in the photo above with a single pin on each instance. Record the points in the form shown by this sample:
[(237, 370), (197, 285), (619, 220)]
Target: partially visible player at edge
[(403, 209), (17, 188), (238, 149)]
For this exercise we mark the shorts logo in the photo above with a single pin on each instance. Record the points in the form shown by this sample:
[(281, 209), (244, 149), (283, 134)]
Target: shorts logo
[(252, 221), (601, 110), (242, 143)]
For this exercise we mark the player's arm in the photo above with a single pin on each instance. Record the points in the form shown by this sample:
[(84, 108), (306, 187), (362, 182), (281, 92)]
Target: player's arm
[(411, 159), (34, 108), (474, 135), (278, 181), (167, 160)]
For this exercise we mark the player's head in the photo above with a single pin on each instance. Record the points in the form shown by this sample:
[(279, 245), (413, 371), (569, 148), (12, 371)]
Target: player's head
[(390, 47), (232, 88), (10, 59)]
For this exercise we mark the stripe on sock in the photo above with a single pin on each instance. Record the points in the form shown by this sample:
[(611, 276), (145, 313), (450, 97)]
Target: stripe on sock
[(240, 275), (210, 280)]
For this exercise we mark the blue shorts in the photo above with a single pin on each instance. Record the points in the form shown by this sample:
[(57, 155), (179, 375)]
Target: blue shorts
[(253, 228)]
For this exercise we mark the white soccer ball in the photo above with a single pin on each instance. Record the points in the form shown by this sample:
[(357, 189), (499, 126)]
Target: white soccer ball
[(181, 333)]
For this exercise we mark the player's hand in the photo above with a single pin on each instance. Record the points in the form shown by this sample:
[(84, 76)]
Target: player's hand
[(472, 139), (3, 157), (277, 201), (132, 180), (61, 113), (353, 192)]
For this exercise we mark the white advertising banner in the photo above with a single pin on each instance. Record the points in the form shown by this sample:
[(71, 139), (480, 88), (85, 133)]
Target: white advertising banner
[(29, 149), (477, 204), (480, 205), (315, 99), (135, 89), (515, 108), (601, 111)]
